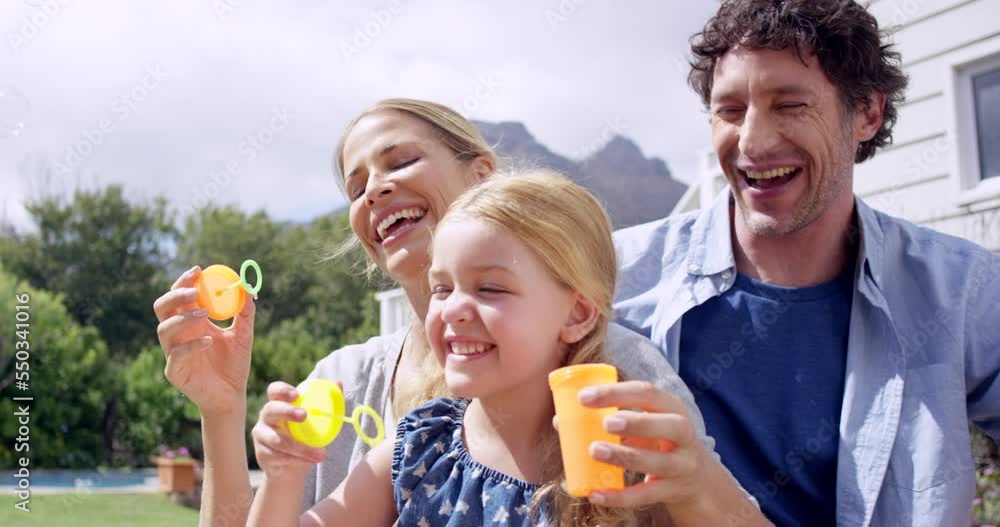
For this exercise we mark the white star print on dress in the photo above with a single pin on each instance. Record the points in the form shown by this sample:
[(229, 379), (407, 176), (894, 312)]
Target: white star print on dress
[(501, 516), (431, 485), (426, 415), (408, 450)]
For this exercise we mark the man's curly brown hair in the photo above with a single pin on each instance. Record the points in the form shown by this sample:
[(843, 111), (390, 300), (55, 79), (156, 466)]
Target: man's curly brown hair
[(842, 34)]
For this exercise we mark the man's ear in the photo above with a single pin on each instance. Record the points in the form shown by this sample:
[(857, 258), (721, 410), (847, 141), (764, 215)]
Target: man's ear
[(868, 116), (581, 320)]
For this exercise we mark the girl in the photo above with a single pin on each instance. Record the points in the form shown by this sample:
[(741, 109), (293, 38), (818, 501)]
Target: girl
[(522, 278)]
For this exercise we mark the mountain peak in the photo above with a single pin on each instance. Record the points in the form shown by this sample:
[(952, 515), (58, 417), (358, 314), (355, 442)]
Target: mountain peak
[(515, 131), (619, 146), (635, 189)]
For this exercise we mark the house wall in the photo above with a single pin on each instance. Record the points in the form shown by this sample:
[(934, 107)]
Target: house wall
[(922, 176)]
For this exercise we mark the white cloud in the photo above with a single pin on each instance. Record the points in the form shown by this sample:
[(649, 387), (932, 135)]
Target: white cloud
[(224, 77)]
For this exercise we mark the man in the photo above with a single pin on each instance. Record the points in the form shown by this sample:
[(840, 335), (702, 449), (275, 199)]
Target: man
[(836, 353)]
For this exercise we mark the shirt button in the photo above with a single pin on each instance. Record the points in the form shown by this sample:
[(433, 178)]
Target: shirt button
[(726, 274), (693, 268)]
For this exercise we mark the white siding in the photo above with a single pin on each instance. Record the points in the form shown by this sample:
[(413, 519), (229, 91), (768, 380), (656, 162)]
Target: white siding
[(945, 25), (904, 165), (394, 310), (918, 177)]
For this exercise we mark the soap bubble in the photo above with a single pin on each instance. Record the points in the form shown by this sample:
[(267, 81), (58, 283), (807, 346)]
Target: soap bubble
[(14, 110)]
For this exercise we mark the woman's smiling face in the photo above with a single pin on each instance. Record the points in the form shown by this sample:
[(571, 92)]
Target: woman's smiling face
[(400, 179)]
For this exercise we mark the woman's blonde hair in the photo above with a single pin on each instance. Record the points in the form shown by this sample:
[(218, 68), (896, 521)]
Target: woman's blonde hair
[(570, 233), (451, 130)]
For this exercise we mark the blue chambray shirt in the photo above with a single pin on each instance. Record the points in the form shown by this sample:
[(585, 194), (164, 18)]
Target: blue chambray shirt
[(923, 352)]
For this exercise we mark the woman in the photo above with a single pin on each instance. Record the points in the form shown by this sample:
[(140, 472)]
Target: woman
[(403, 162)]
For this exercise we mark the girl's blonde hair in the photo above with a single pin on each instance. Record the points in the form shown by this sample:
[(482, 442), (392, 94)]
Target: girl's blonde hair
[(451, 130), (570, 233)]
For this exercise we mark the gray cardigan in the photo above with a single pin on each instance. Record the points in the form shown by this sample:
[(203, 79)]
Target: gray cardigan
[(365, 370)]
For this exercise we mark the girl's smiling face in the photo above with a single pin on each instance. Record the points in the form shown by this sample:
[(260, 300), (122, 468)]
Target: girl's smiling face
[(400, 179), (497, 318)]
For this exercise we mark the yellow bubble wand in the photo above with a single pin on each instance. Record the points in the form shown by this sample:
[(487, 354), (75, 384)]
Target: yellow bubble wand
[(326, 414)]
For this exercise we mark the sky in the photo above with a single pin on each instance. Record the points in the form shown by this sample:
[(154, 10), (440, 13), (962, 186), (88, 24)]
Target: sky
[(242, 101)]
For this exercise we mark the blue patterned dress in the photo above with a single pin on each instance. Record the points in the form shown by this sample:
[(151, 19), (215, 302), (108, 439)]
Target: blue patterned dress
[(437, 483)]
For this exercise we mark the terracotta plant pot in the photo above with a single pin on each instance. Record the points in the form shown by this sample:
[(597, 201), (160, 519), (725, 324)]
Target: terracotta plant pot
[(176, 475)]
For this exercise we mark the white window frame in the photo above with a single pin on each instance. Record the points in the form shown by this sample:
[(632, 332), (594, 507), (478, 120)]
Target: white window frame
[(976, 59)]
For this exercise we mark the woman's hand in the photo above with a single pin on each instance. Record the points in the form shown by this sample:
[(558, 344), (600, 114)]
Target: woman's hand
[(274, 446), (660, 442), (208, 364)]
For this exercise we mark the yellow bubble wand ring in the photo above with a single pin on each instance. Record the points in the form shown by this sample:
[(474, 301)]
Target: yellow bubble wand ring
[(326, 414)]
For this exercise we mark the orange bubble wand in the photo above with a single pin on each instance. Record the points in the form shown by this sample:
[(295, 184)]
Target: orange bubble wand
[(223, 292)]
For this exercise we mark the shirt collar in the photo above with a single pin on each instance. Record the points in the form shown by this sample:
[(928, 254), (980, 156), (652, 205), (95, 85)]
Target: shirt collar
[(711, 250), (872, 244)]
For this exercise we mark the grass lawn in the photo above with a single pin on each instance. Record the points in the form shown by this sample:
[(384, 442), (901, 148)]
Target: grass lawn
[(97, 510)]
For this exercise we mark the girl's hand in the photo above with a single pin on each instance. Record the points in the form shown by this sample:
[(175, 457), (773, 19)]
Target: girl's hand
[(208, 364), (275, 448), (660, 442)]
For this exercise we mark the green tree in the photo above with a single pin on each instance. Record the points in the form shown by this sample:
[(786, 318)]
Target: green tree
[(338, 301), (104, 255), (298, 282), (153, 412), (70, 377)]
